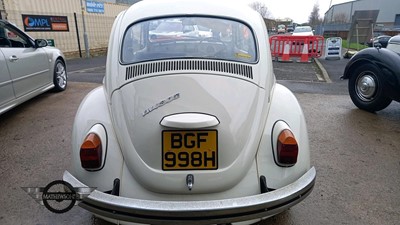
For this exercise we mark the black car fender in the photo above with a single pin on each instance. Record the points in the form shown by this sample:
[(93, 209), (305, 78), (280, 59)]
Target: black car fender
[(386, 60)]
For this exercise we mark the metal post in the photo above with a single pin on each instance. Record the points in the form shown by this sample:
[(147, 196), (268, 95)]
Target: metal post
[(372, 36), (85, 37), (357, 35), (77, 36)]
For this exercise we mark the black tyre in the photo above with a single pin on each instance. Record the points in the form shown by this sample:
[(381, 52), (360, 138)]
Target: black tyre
[(366, 89), (60, 76)]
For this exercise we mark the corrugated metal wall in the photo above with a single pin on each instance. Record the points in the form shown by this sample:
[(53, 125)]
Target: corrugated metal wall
[(98, 26), (388, 9)]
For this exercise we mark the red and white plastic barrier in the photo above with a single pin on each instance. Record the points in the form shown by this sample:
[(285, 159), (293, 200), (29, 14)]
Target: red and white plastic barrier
[(286, 47)]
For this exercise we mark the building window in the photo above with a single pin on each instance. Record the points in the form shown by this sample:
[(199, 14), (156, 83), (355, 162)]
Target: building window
[(397, 20)]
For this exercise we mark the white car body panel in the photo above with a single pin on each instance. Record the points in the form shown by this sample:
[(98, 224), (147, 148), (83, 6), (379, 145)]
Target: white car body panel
[(141, 100), (87, 116), (136, 129), (394, 44), (284, 107)]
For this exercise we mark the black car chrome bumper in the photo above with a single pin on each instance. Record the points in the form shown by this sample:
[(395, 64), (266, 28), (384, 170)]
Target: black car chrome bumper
[(196, 212)]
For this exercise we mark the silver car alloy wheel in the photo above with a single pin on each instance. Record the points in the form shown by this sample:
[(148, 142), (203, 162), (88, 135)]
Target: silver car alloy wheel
[(366, 86), (61, 75)]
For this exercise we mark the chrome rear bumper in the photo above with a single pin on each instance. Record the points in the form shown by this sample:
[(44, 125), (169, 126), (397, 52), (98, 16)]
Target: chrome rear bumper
[(196, 212)]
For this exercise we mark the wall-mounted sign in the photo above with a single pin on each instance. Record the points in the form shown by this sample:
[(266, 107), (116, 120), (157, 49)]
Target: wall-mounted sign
[(45, 23), (50, 42), (94, 7)]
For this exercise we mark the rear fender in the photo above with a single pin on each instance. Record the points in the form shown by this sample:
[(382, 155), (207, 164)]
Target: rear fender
[(94, 110), (387, 61), (284, 107)]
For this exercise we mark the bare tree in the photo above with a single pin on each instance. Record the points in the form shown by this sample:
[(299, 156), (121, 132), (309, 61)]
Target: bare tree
[(261, 8), (314, 18)]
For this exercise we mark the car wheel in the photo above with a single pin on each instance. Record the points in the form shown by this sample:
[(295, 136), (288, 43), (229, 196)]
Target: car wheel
[(60, 76), (366, 89)]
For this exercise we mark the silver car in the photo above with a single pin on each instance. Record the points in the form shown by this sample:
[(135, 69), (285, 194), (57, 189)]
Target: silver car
[(28, 67)]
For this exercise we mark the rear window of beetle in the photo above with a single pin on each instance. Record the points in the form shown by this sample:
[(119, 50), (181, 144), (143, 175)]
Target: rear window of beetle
[(188, 37)]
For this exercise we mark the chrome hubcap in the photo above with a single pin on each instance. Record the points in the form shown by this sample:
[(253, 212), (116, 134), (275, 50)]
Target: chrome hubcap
[(61, 75), (366, 87)]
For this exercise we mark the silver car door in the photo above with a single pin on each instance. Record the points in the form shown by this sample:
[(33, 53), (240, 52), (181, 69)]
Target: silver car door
[(6, 89), (29, 69), (28, 66)]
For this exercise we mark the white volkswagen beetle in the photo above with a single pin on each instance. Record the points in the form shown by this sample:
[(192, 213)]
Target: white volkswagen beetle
[(190, 130)]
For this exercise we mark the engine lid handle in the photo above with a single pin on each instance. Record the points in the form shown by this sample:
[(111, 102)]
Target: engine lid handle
[(189, 120)]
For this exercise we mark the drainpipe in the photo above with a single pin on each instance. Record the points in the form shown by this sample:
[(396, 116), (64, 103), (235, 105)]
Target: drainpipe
[(85, 37)]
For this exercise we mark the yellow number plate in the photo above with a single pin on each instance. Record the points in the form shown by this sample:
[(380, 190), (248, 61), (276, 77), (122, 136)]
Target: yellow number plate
[(190, 150)]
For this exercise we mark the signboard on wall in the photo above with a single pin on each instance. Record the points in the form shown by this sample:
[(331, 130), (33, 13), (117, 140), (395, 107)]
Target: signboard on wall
[(44, 23), (94, 7)]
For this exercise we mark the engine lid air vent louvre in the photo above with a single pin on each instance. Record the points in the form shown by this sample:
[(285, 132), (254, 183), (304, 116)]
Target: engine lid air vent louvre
[(188, 65)]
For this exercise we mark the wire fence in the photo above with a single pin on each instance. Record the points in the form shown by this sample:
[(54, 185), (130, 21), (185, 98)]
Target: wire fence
[(72, 42)]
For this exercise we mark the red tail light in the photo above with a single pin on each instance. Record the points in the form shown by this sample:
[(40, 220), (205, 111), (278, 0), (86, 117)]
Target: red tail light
[(287, 148), (91, 152)]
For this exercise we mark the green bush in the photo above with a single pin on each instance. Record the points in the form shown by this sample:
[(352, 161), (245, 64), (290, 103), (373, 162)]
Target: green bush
[(354, 46)]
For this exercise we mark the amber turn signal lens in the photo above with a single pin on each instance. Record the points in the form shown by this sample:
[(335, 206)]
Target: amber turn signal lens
[(91, 152), (287, 148)]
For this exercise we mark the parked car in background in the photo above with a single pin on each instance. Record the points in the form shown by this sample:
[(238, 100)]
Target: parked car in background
[(168, 29), (281, 29), (290, 28), (374, 76), (382, 40), (303, 31), (28, 67), (190, 131), (203, 31)]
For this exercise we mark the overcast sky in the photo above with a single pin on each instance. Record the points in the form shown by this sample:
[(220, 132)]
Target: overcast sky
[(297, 10)]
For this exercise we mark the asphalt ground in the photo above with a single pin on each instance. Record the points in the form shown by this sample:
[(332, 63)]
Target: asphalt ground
[(316, 70), (298, 72), (334, 68), (319, 76)]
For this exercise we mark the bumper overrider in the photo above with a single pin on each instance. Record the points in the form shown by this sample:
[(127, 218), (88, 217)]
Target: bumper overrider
[(196, 212)]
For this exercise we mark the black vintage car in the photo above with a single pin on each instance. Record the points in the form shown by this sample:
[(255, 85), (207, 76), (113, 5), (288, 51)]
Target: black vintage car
[(383, 40), (374, 76)]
